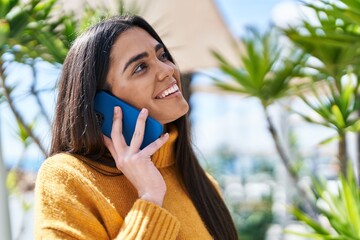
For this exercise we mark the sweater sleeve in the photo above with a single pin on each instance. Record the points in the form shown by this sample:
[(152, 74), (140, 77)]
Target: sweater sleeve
[(66, 207), (149, 221)]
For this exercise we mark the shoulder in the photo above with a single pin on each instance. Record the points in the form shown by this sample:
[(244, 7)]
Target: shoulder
[(60, 162), (61, 158), (214, 182), (63, 178), (61, 168)]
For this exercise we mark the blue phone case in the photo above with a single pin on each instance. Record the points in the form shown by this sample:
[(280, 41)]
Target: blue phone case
[(104, 108)]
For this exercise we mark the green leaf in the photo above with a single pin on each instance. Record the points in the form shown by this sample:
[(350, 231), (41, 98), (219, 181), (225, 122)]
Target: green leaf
[(352, 4), (4, 8), (310, 222), (11, 181), (329, 140), (352, 206), (313, 236), (18, 19), (319, 107), (338, 117), (239, 76), (54, 46), (22, 134), (265, 73), (346, 95), (335, 45), (4, 31), (26, 206), (341, 210), (43, 8), (355, 127), (229, 88)]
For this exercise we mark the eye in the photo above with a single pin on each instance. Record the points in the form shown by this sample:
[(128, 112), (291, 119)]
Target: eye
[(140, 68), (164, 56)]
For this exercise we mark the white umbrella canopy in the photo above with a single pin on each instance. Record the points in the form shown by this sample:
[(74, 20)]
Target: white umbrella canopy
[(190, 29)]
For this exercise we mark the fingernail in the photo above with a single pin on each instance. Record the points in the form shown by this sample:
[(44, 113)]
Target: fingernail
[(116, 110), (143, 111)]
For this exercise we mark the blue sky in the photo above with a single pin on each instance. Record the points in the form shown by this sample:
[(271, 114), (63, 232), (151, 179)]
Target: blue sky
[(240, 13), (236, 13)]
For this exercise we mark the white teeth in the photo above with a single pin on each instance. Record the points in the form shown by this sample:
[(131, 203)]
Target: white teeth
[(169, 91)]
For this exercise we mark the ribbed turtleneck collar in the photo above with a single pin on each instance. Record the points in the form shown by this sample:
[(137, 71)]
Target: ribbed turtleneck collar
[(165, 156)]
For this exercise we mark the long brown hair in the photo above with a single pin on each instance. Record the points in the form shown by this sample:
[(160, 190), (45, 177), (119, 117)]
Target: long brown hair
[(75, 128)]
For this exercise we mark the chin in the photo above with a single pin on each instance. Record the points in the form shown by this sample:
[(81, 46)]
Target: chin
[(172, 113), (171, 119), (184, 110)]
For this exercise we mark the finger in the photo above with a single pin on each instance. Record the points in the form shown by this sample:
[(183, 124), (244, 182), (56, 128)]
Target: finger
[(116, 131), (154, 146), (138, 135), (109, 144)]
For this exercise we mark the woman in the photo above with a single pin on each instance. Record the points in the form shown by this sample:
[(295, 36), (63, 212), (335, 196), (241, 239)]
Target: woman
[(94, 187)]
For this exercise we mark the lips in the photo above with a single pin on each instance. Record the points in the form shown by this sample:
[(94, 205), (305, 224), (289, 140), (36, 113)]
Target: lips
[(172, 89)]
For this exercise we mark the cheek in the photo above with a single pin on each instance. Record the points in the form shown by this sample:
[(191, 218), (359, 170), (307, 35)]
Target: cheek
[(177, 76), (137, 95), (133, 91)]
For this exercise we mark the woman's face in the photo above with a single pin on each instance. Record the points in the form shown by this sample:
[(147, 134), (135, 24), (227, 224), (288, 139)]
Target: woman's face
[(141, 74)]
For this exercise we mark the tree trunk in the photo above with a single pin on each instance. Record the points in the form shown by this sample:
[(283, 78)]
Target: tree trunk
[(308, 204), (5, 226), (342, 153), (280, 150)]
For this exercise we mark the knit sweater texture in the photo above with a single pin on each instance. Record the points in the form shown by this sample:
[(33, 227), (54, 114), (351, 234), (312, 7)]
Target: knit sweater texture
[(77, 198)]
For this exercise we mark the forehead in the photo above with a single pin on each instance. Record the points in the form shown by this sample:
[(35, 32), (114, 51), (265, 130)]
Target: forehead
[(131, 42)]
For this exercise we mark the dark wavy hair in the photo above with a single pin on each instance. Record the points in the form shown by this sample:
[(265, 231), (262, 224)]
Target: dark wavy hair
[(76, 131)]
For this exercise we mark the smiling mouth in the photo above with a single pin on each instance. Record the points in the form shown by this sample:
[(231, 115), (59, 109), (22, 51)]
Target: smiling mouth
[(171, 90)]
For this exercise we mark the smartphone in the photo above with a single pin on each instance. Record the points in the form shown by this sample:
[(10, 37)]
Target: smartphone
[(104, 109)]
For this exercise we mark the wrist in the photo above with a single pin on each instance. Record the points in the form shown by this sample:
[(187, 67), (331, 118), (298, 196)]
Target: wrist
[(157, 199)]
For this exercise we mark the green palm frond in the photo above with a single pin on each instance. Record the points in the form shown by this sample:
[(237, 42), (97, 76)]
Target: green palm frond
[(336, 108), (266, 74), (335, 40), (348, 10), (340, 208)]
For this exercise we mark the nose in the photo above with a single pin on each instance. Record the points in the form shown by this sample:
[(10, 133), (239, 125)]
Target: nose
[(165, 70)]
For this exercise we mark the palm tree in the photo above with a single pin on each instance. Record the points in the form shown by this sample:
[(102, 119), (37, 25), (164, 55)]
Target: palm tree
[(268, 75), (335, 42)]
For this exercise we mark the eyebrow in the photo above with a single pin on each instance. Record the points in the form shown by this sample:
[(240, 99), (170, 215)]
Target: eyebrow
[(142, 55)]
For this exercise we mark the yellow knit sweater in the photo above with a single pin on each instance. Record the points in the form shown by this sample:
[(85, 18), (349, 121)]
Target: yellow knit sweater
[(82, 199)]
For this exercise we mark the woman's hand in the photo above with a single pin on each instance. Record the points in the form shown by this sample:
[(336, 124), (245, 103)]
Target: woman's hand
[(134, 163)]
